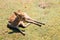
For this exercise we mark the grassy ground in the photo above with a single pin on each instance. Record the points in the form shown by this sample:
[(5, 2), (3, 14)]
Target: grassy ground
[(50, 16)]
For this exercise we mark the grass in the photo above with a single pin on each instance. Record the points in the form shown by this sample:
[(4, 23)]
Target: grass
[(50, 16)]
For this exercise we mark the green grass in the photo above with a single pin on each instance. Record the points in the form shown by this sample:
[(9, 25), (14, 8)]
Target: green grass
[(50, 16)]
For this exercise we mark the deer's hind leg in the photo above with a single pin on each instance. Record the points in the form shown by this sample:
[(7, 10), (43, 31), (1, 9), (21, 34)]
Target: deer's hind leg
[(33, 22)]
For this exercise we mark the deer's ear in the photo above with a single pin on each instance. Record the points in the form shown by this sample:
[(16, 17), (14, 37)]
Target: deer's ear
[(15, 13)]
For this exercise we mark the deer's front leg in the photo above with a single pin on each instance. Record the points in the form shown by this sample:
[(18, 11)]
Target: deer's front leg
[(21, 24)]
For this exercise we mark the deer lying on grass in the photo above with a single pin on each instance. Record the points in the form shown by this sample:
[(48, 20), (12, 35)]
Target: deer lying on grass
[(17, 20)]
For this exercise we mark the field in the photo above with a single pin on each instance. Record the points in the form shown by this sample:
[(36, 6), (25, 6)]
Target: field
[(49, 15)]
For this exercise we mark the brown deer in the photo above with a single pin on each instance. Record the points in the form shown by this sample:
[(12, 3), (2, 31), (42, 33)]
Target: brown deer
[(17, 20)]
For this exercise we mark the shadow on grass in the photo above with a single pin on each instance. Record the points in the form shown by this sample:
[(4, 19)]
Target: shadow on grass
[(16, 30)]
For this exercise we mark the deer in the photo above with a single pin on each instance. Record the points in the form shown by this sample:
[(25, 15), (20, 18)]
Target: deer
[(17, 20)]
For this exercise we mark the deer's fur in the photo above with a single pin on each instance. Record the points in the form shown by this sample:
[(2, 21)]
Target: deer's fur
[(18, 18)]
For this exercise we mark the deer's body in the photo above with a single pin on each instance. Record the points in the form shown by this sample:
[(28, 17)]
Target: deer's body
[(18, 18)]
